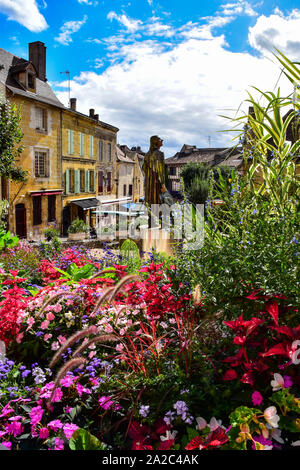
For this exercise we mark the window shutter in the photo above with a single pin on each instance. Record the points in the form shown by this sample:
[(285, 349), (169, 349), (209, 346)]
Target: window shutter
[(95, 181), (67, 187), (81, 143), (91, 142), (77, 181), (87, 181)]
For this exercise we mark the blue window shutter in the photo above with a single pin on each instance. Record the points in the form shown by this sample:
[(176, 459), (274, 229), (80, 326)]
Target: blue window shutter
[(91, 142)]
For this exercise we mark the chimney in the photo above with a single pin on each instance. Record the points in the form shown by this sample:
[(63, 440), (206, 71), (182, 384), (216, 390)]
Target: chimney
[(92, 113), (37, 56), (96, 117), (73, 104)]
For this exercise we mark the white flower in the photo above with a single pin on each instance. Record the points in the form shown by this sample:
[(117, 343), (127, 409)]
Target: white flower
[(270, 415), (296, 443), (201, 423), (214, 424), (276, 434), (170, 436), (277, 383)]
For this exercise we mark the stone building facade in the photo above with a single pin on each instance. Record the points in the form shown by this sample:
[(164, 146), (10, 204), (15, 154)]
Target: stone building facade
[(35, 204)]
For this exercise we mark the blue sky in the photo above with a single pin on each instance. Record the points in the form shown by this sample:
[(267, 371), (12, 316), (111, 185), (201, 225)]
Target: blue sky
[(164, 67)]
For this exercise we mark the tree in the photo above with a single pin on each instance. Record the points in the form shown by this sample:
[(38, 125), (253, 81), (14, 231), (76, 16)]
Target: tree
[(10, 138)]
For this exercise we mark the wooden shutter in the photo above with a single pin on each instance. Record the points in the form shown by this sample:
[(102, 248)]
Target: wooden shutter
[(67, 182), (37, 210), (100, 182), (81, 143), (51, 208), (87, 181), (91, 145), (77, 181)]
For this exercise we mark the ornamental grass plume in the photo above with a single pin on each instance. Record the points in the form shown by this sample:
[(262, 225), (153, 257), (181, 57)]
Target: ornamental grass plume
[(96, 339), (78, 335)]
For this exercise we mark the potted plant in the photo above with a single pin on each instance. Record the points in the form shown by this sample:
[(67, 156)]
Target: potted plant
[(77, 230)]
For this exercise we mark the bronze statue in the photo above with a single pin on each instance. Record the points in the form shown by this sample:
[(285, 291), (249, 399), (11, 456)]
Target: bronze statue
[(154, 169)]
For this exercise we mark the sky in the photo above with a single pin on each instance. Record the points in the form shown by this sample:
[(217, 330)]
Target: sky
[(169, 67)]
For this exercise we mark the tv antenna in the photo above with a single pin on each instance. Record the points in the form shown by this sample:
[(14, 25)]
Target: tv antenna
[(69, 85)]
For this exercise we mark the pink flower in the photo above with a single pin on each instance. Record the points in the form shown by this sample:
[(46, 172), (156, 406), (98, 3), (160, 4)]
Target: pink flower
[(58, 444), (36, 415), (105, 402), (6, 410), (119, 347), (57, 308), (201, 423), (50, 316), (55, 425), (256, 398), (57, 396), (44, 325), (44, 433), (7, 444), (47, 336), (69, 430), (81, 389), (67, 381), (287, 381), (55, 346), (19, 337), (30, 321), (15, 428), (61, 339)]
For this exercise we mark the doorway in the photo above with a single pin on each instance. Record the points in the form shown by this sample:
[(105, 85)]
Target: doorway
[(21, 225)]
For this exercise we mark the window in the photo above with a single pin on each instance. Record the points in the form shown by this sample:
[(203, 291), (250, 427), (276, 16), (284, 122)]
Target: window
[(41, 119), (81, 144), (41, 164), (72, 181), (130, 190), (51, 208), (92, 181), (82, 181), (172, 171), (37, 210), (100, 151), (100, 182), (70, 142), (91, 146), (109, 152), (30, 81), (109, 182), (124, 190)]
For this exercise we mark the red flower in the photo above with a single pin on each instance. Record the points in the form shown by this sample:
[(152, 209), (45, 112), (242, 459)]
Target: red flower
[(214, 439), (230, 375)]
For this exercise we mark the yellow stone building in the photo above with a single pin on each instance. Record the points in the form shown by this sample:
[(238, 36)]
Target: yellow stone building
[(88, 164), (35, 204)]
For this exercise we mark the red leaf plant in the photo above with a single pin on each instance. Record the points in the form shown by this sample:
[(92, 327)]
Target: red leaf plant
[(263, 343), (216, 438)]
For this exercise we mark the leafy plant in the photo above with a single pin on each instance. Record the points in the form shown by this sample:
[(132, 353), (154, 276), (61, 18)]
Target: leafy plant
[(78, 226)]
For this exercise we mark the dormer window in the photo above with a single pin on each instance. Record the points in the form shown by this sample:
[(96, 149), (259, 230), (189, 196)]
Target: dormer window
[(30, 81)]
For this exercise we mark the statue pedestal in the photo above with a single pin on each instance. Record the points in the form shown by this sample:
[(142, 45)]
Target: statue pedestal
[(156, 238)]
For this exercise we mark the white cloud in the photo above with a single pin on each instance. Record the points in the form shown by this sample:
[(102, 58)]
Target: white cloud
[(69, 28), (25, 12), (240, 7), (177, 90), (89, 2), (130, 24), (277, 31)]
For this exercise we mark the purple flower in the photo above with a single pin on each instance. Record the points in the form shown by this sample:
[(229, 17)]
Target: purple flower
[(55, 425), (105, 402), (144, 410), (256, 398), (268, 445)]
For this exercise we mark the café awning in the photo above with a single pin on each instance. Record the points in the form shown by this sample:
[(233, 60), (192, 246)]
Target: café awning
[(91, 203)]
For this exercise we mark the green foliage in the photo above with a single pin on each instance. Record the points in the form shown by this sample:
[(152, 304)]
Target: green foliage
[(130, 255), (83, 440), (10, 138), (78, 226), (75, 273), (4, 206), (7, 240), (53, 245)]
